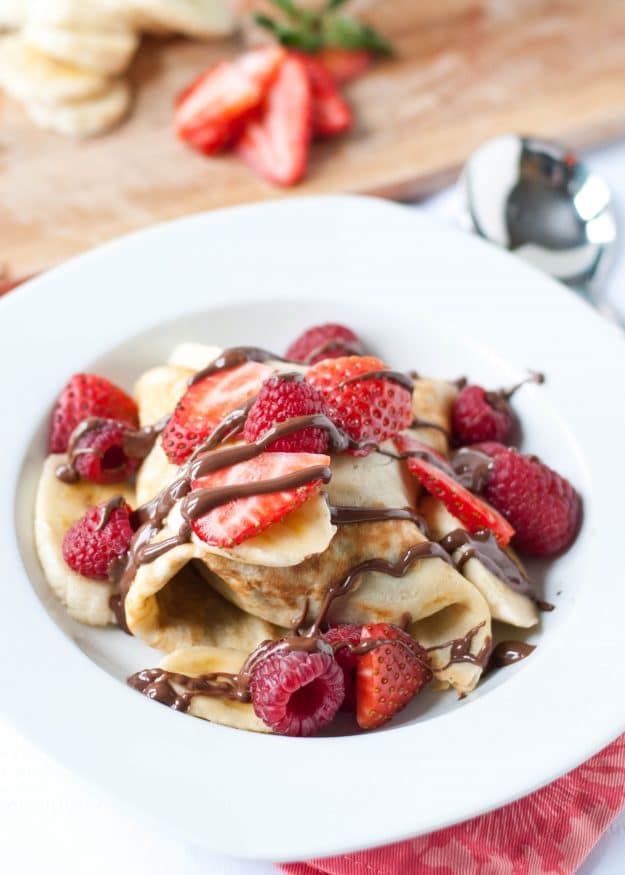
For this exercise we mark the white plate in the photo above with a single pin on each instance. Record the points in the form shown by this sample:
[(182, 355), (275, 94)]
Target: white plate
[(422, 296)]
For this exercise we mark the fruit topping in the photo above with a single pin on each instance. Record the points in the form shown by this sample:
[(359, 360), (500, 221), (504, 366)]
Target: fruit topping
[(251, 510), (346, 634), (472, 512), (345, 65), (297, 693), (99, 454), (276, 144), (211, 112), (388, 676), (205, 403), (331, 114), (99, 538), (282, 398), (543, 507), (327, 341), (363, 402), (87, 395), (479, 415)]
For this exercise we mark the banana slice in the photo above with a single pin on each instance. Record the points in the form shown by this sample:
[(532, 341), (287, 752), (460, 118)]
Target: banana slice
[(505, 603), (158, 391), (12, 13), (194, 356), (194, 661), (199, 18), (57, 507), (102, 51), (85, 118), (30, 76)]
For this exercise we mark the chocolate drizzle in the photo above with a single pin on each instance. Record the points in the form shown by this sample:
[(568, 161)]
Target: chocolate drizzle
[(460, 649), (107, 509), (509, 653), (426, 423), (471, 468), (398, 377), (233, 358), (344, 515), (483, 545), (345, 347)]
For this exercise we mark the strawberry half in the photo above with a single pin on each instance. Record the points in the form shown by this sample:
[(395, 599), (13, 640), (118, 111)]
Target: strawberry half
[(472, 512), (276, 145), (205, 403), (211, 111), (331, 113), (242, 518), (88, 395), (345, 65), (388, 676)]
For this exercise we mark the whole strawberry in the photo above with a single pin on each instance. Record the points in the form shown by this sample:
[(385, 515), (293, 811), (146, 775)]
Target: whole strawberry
[(88, 395), (90, 547), (363, 402), (328, 341), (297, 693), (479, 415), (543, 507), (283, 398), (100, 455), (388, 676)]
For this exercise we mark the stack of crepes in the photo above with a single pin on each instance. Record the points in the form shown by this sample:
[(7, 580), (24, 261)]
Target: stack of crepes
[(207, 608)]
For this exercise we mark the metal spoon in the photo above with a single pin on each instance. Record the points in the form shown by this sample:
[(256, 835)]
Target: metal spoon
[(541, 202)]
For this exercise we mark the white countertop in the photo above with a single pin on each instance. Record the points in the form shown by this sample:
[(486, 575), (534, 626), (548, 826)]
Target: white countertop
[(50, 822)]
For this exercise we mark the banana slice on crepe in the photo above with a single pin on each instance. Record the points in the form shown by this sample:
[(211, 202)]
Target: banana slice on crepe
[(508, 602), (103, 51), (198, 18), (35, 79), (85, 118), (59, 505), (194, 661), (432, 402)]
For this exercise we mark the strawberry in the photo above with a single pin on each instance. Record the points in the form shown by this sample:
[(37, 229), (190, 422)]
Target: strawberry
[(88, 395), (211, 111), (388, 676), (372, 408), (331, 113), (205, 403), (472, 512), (276, 145), (241, 518), (345, 65)]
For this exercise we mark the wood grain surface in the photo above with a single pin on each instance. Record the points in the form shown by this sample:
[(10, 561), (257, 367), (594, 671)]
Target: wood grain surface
[(465, 70)]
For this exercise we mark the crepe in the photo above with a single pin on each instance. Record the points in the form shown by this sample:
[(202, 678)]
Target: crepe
[(505, 603), (432, 401)]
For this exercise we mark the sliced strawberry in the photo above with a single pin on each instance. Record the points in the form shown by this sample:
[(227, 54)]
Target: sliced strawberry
[(276, 145), (406, 443), (388, 676), (472, 512), (205, 403), (242, 518), (331, 113), (211, 111), (345, 65)]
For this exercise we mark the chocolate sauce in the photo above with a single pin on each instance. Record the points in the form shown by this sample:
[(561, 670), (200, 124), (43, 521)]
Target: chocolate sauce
[(344, 515), (471, 468), (345, 347), (398, 377), (483, 545), (233, 358), (426, 423), (460, 649), (509, 653), (106, 510), (136, 443)]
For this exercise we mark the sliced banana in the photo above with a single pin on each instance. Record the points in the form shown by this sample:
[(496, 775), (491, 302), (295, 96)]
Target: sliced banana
[(194, 661), (158, 391), (505, 604), (194, 356), (12, 13), (199, 18), (86, 118), (103, 51), (31, 77), (57, 507)]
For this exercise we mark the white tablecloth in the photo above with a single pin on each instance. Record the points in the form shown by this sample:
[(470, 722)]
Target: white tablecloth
[(52, 823)]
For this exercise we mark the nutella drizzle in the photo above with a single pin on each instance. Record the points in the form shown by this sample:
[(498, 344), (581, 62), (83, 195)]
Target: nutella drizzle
[(344, 515), (233, 358), (398, 377), (417, 422), (509, 653), (483, 545), (346, 347), (471, 468), (107, 509)]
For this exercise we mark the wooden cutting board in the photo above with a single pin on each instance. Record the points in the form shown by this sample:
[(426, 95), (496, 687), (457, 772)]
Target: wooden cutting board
[(465, 71)]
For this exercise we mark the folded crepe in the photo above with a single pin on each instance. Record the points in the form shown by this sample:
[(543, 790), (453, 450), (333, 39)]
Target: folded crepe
[(505, 602)]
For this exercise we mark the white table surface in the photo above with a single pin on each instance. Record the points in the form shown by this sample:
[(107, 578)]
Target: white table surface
[(50, 822)]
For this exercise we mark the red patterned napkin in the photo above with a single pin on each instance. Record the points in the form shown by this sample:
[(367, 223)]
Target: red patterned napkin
[(549, 832)]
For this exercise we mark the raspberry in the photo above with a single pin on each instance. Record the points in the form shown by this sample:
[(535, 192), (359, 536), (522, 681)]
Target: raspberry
[(478, 415), (90, 552), (281, 399), (371, 409), (327, 341), (542, 506), (88, 395), (297, 693), (100, 455), (489, 448), (348, 660)]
